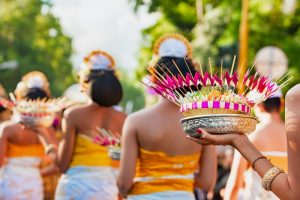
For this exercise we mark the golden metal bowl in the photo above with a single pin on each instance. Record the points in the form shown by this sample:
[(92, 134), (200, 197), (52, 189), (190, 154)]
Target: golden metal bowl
[(114, 153), (219, 124), (44, 121)]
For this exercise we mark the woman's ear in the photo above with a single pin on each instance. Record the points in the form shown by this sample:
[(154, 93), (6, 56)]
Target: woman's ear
[(261, 107)]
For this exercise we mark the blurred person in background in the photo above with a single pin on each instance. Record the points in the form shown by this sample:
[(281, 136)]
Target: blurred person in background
[(157, 161), (270, 139), (86, 166), (5, 113), (225, 156), (21, 152)]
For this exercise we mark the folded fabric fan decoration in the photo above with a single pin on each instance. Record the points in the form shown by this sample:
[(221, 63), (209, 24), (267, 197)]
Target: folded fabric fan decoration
[(210, 100), (111, 140), (40, 112)]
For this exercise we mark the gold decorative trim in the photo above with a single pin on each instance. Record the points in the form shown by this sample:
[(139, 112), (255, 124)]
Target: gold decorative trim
[(177, 37), (98, 52)]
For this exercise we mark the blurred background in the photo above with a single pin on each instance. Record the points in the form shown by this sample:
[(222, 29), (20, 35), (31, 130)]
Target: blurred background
[(53, 36)]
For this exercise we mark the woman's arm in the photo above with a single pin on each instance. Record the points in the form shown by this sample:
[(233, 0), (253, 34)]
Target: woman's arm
[(206, 177), (49, 170), (61, 157), (129, 156), (285, 186), (236, 177), (66, 145), (3, 143)]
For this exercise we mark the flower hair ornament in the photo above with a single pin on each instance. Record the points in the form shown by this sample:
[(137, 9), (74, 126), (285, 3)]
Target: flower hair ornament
[(212, 101), (34, 79), (171, 45), (98, 62)]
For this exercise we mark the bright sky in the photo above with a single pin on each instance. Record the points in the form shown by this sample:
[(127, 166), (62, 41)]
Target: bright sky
[(109, 25)]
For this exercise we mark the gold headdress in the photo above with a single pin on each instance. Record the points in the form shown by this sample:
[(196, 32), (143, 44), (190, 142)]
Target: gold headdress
[(96, 60), (34, 79), (173, 45), (170, 45)]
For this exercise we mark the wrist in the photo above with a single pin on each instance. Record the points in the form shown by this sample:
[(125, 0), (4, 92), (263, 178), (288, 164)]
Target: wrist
[(239, 141)]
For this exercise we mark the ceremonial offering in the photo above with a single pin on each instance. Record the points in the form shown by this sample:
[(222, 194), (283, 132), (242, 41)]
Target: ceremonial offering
[(211, 100), (111, 141), (38, 112)]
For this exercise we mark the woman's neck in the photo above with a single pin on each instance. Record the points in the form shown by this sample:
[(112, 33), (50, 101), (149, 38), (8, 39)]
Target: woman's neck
[(96, 106), (167, 103), (271, 117)]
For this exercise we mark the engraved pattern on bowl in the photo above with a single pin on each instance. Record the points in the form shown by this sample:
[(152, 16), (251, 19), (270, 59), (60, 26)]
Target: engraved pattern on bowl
[(114, 153), (44, 121), (219, 124)]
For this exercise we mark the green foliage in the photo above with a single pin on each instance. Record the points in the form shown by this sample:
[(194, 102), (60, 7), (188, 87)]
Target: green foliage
[(36, 41), (268, 25), (132, 94)]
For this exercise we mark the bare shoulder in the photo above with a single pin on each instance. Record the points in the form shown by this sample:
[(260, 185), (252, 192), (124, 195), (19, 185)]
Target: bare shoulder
[(73, 111), (135, 120), (257, 137), (293, 93), (7, 127), (120, 115), (141, 116)]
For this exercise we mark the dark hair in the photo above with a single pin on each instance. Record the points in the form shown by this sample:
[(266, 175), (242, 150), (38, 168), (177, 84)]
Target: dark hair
[(272, 104), (35, 93), (185, 65), (177, 66), (2, 109), (105, 88)]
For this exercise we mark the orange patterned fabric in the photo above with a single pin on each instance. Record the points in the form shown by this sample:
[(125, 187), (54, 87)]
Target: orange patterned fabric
[(33, 150), (164, 173)]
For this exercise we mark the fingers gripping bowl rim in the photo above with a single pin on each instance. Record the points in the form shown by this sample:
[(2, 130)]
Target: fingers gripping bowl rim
[(219, 124)]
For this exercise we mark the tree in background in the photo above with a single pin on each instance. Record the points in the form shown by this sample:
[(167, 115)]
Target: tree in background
[(31, 35), (215, 33), (133, 95)]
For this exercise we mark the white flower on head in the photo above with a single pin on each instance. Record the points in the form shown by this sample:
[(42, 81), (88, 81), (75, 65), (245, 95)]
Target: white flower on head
[(100, 61), (35, 82), (172, 48)]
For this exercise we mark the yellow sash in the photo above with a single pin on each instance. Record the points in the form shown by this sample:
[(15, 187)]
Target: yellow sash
[(158, 172), (87, 153), (278, 159)]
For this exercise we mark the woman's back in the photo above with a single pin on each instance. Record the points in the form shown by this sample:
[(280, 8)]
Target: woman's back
[(19, 135), (271, 137), (158, 129), (88, 118)]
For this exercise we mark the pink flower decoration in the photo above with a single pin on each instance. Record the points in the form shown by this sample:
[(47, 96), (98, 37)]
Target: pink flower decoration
[(231, 80), (203, 79), (218, 80), (211, 79), (170, 82), (188, 79), (196, 78), (105, 142), (246, 77)]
